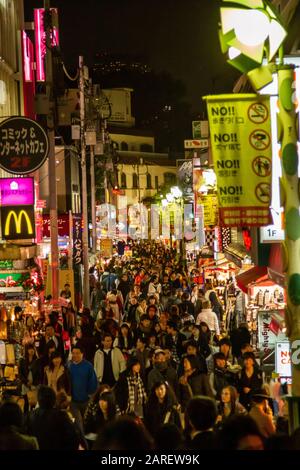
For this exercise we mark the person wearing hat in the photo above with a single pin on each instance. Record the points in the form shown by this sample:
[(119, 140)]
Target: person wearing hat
[(162, 371), (262, 414)]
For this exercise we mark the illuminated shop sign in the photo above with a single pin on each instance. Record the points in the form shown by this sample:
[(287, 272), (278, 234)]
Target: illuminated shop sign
[(24, 145), (17, 222), (16, 191), (40, 41)]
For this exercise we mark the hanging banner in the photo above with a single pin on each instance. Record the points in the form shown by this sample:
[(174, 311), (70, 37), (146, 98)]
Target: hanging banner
[(106, 248), (240, 130), (270, 331), (210, 208), (77, 240)]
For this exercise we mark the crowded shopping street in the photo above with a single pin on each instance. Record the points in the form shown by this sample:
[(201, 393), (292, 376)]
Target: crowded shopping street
[(149, 232), (164, 349)]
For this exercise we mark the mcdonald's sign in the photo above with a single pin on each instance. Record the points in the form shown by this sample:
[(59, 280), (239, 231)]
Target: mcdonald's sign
[(17, 222)]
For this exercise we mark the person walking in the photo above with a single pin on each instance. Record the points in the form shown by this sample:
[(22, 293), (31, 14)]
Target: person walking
[(109, 362), (130, 391), (83, 379)]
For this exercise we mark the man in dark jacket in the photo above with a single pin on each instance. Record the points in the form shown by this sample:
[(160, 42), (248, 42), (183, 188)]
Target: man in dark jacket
[(186, 305), (162, 371), (53, 428), (174, 341), (201, 414), (11, 423), (124, 286)]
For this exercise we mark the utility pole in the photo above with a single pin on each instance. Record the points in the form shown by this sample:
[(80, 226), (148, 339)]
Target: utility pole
[(93, 198), (86, 283), (51, 157)]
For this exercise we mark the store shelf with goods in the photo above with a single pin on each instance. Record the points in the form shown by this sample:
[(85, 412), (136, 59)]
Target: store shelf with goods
[(3, 290)]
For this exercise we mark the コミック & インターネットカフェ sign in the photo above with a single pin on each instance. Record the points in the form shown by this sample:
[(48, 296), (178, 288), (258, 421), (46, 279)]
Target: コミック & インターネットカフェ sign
[(24, 145), (241, 144)]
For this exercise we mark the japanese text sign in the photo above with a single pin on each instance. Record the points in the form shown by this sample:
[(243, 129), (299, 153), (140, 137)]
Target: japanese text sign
[(16, 191), (24, 145), (77, 240), (240, 132), (62, 225)]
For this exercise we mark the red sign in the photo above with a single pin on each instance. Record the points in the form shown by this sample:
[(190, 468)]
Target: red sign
[(62, 222)]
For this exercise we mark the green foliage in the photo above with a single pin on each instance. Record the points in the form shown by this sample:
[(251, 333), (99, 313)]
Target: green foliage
[(293, 224)]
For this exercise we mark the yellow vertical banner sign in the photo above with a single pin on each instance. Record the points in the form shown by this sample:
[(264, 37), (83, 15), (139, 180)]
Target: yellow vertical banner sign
[(66, 276), (241, 143)]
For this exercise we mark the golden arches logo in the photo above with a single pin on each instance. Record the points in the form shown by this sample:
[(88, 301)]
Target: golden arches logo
[(18, 222)]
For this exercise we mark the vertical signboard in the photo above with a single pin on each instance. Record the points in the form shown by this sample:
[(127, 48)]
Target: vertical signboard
[(240, 132), (77, 240), (40, 40), (185, 177)]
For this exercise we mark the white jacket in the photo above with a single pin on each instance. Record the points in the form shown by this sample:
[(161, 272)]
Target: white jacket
[(118, 363), (209, 317)]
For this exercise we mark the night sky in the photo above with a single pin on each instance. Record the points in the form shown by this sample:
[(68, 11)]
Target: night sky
[(176, 36)]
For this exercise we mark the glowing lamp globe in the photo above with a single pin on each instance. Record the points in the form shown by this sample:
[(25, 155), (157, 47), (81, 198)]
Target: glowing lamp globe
[(249, 32)]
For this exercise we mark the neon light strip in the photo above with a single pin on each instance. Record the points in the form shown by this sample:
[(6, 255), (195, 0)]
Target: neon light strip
[(39, 34)]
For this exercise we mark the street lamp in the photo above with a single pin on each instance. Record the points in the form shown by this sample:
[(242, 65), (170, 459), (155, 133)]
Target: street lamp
[(176, 192), (254, 31)]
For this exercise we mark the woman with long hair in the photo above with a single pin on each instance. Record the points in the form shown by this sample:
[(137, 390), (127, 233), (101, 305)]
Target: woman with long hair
[(162, 407), (250, 380), (29, 369), (201, 334), (192, 382), (56, 375), (130, 390), (216, 305), (101, 409), (229, 405), (124, 340)]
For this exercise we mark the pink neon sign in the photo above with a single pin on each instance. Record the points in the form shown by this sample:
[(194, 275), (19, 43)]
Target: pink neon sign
[(27, 58), (40, 42), (16, 191)]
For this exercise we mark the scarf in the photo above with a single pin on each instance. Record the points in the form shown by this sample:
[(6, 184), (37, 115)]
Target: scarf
[(135, 381)]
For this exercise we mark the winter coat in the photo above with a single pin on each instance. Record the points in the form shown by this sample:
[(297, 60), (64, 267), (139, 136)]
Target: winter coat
[(118, 363), (219, 379), (198, 384), (160, 415), (254, 383), (210, 318), (34, 366), (63, 381), (168, 375)]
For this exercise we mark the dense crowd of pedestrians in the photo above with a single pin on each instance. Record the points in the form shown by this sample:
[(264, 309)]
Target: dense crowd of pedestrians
[(149, 367)]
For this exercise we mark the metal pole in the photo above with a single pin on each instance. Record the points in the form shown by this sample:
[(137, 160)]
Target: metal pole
[(52, 165), (93, 199), (86, 284), (289, 193), (70, 240)]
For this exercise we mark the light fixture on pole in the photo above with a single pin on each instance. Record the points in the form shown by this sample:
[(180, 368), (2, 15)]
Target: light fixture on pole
[(255, 32)]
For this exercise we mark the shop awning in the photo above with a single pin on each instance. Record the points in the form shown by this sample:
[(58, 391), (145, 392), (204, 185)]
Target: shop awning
[(237, 253), (258, 274)]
